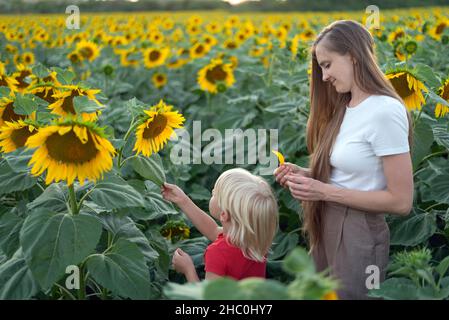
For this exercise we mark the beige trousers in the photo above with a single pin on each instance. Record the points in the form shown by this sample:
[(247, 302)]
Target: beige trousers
[(352, 240)]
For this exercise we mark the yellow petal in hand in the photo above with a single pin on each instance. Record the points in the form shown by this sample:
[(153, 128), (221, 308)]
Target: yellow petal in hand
[(280, 156)]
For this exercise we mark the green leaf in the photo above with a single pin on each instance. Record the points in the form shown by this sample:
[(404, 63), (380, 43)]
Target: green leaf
[(122, 270), (222, 289), (83, 104), (54, 198), (64, 76), (441, 134), (263, 289), (442, 267), (150, 168), (114, 193), (396, 289), (10, 225), (125, 228), (427, 74), (11, 181), (298, 261), (283, 243), (187, 291), (282, 107), (52, 241), (199, 192), (18, 159), (16, 280), (414, 229), (27, 104), (423, 140), (40, 71), (4, 92)]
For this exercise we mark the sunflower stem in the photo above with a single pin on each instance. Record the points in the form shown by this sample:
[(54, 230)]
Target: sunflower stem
[(417, 118), (132, 126), (72, 199), (82, 289)]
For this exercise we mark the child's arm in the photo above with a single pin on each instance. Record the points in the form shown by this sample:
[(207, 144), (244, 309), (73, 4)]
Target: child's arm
[(200, 219)]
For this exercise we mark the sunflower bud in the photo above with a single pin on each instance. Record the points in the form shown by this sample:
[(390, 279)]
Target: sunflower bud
[(108, 70), (410, 47), (445, 39), (221, 87)]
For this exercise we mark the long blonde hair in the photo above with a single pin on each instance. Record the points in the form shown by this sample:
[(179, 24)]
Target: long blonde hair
[(327, 106), (252, 206)]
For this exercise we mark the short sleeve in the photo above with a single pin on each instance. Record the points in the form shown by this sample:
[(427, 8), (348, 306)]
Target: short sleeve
[(214, 261), (389, 131)]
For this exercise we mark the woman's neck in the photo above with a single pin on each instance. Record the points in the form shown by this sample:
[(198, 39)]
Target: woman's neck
[(357, 96)]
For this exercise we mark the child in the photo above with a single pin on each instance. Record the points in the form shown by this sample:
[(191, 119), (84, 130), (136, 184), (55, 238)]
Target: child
[(248, 212)]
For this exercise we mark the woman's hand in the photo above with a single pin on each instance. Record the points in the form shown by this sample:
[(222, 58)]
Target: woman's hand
[(183, 263), (308, 189), (173, 193), (283, 170)]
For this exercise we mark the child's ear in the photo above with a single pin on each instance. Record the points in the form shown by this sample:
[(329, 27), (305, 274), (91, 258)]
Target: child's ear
[(224, 216)]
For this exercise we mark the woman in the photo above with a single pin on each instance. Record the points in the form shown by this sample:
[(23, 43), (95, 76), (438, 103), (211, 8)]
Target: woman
[(358, 137)]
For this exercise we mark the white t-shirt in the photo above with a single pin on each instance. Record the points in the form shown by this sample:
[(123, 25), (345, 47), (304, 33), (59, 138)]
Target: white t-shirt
[(376, 127)]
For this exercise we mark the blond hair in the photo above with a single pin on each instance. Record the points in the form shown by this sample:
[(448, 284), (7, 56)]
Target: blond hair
[(253, 210)]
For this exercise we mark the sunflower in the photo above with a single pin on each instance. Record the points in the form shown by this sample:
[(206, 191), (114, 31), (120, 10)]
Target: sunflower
[(88, 50), (199, 50), (175, 230), (230, 44), (74, 57), (156, 128), (27, 58), (154, 57), (7, 113), (14, 135), (70, 150), (63, 105), (159, 80), (214, 73), (437, 31), (6, 81), (21, 77), (330, 296), (127, 59), (408, 87), (440, 109), (396, 35)]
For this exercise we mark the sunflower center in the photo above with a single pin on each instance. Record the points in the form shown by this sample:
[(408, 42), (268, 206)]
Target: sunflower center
[(10, 115), (86, 52), (231, 45), (69, 149), (20, 136), (155, 127), (67, 105), (440, 28), (154, 55), (160, 78), (216, 74), (46, 95), (21, 78), (199, 49), (401, 85), (3, 82)]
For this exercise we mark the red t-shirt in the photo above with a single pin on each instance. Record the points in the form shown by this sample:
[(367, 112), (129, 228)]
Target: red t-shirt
[(223, 259)]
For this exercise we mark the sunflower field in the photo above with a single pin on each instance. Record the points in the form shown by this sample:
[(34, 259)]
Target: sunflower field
[(85, 120)]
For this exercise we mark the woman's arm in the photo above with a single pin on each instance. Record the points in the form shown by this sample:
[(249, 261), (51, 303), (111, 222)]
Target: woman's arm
[(200, 219), (397, 198)]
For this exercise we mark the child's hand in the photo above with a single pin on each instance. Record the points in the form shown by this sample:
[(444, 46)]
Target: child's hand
[(182, 262), (173, 193)]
